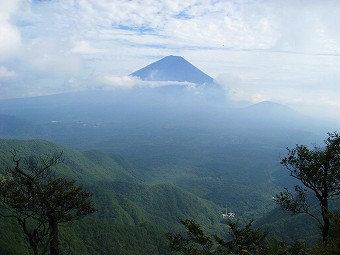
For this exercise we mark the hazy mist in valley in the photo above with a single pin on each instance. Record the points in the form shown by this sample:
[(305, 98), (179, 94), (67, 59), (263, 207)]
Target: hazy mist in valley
[(170, 109)]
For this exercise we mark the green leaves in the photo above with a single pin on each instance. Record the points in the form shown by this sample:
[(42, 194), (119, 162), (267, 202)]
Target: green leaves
[(319, 168), (68, 201), (195, 242), (31, 194), (319, 171), (244, 240), (293, 202)]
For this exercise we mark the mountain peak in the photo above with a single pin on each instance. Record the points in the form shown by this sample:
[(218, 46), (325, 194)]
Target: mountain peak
[(172, 68), (269, 107)]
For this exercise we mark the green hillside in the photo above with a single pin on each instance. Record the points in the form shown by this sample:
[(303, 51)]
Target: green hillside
[(285, 226), (85, 167), (131, 215)]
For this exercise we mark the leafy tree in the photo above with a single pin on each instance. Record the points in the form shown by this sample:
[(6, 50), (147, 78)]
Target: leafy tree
[(333, 246), (31, 194), (318, 170), (195, 242), (335, 227), (244, 240), (276, 247)]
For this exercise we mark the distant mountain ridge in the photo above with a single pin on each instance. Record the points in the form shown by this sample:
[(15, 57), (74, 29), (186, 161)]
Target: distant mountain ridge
[(173, 68), (271, 108)]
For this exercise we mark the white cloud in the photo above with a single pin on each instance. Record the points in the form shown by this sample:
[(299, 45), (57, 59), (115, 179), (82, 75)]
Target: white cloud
[(278, 50), (308, 26), (10, 36), (84, 47), (55, 63), (236, 89), (123, 82), (5, 73), (128, 82)]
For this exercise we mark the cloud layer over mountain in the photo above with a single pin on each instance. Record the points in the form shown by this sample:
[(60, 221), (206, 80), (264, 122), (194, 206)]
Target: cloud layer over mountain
[(285, 51)]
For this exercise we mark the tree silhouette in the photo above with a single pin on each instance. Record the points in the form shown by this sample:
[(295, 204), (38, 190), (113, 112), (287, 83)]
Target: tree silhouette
[(30, 193), (194, 243), (318, 170), (244, 240)]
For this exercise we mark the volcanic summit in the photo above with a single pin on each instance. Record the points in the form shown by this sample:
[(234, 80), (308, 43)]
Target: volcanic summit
[(173, 68)]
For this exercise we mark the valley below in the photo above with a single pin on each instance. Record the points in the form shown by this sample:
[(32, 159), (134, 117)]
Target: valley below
[(148, 167), (154, 156)]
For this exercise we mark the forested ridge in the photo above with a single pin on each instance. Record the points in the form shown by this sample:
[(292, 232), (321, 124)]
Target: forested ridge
[(126, 206), (132, 215)]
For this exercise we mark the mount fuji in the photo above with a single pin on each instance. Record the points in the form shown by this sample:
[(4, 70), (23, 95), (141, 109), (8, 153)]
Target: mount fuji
[(173, 68)]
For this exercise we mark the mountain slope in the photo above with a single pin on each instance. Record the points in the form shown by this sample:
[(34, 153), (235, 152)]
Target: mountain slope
[(83, 166), (123, 202), (173, 68), (268, 107)]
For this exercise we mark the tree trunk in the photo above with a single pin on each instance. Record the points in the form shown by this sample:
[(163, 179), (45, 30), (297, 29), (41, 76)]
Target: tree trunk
[(326, 221), (325, 230), (35, 249), (54, 245)]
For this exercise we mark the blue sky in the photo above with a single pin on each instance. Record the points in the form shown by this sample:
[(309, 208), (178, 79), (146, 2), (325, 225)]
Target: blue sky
[(284, 51)]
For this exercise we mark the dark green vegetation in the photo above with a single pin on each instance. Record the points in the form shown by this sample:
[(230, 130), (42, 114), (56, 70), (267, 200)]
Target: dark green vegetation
[(247, 240), (152, 156), (318, 170), (127, 208), (39, 201), (228, 156), (244, 240)]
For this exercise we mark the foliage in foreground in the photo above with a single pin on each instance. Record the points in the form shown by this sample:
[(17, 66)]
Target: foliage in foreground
[(39, 202), (244, 240), (318, 170)]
